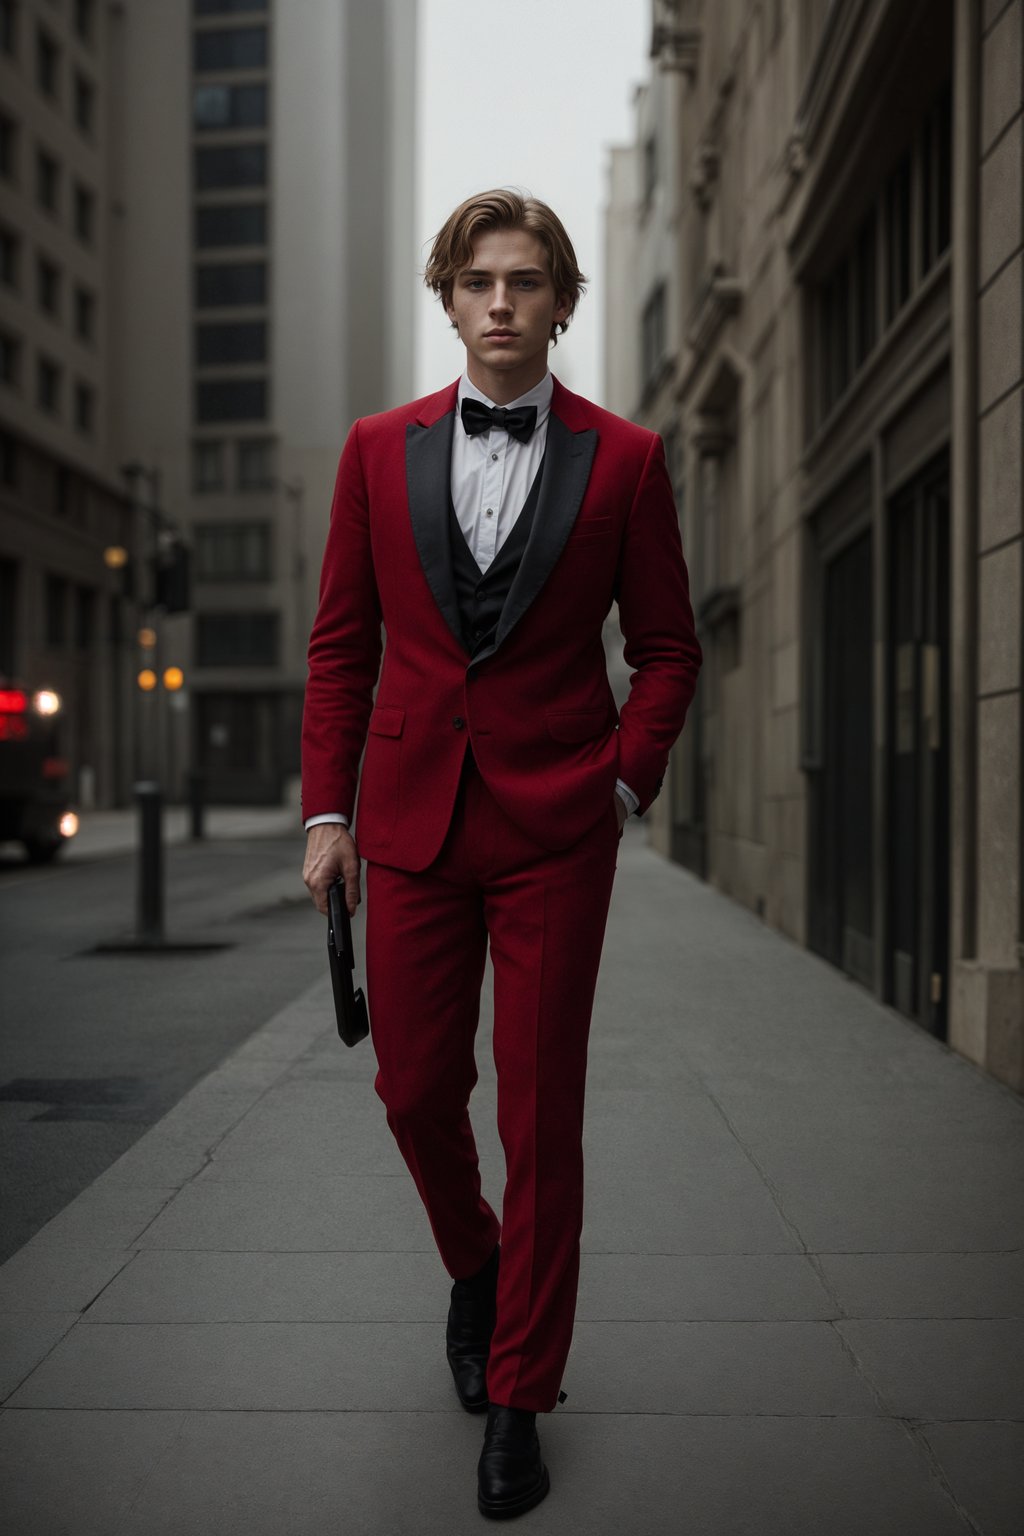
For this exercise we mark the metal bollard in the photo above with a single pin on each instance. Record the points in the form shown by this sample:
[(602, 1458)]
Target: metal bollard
[(150, 915), (197, 803)]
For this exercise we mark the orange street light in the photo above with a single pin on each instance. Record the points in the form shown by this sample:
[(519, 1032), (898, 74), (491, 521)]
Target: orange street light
[(174, 678), (147, 679)]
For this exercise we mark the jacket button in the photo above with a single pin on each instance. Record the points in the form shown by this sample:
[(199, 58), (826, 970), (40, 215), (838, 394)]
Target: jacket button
[(458, 722)]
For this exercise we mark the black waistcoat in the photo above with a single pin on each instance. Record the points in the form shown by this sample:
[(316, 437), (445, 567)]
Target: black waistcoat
[(481, 594)]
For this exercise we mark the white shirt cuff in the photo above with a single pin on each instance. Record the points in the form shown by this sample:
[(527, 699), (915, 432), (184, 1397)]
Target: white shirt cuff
[(629, 800), (335, 816)]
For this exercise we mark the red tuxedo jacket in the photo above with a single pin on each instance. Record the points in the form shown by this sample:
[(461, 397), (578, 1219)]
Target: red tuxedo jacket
[(536, 704)]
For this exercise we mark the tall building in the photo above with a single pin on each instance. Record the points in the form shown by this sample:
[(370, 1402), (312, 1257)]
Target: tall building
[(821, 210), (249, 188)]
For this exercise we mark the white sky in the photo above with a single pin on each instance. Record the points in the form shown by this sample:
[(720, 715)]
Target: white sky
[(528, 94)]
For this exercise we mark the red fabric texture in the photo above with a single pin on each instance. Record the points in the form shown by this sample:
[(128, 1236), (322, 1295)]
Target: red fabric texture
[(426, 937)]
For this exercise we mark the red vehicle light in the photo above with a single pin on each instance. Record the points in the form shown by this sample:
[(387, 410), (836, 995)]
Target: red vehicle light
[(55, 767), (13, 701), (13, 728)]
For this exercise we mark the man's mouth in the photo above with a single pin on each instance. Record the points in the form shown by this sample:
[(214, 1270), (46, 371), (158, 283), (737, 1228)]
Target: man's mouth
[(501, 333)]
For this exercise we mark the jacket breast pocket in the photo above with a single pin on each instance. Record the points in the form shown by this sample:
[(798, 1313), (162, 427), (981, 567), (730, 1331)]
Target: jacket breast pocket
[(591, 528)]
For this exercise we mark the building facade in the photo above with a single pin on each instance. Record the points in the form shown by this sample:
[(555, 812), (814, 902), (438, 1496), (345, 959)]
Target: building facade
[(253, 218), (821, 213)]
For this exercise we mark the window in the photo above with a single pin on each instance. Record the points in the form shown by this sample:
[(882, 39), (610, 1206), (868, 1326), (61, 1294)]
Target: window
[(229, 106), (10, 359), (232, 551), (85, 214), (237, 639), (232, 400), (238, 283), (48, 286), (10, 254), (85, 17), (9, 467), (48, 385), (653, 342), (85, 409), (207, 466), (85, 314), (937, 178), (239, 48), (255, 463), (898, 232), (650, 167), (9, 28), (233, 224), (85, 617), (56, 611), (242, 341), (47, 63), (8, 147), (227, 7), (47, 181), (85, 104), (8, 607), (231, 165)]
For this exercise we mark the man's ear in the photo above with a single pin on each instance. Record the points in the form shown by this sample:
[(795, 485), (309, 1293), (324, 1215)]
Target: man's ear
[(562, 307)]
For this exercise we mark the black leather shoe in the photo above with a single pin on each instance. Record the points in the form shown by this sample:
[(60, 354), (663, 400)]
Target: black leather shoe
[(468, 1338), (512, 1475)]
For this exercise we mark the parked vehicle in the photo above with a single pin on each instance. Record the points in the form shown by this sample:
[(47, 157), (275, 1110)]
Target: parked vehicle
[(34, 806)]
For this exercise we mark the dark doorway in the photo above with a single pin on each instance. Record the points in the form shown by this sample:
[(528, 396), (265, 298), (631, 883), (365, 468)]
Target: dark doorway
[(238, 747), (917, 959), (842, 928)]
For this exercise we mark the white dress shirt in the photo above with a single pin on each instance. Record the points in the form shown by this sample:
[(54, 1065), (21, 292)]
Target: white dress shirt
[(491, 478)]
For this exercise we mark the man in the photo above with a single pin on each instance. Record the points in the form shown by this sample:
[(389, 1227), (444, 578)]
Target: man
[(488, 528)]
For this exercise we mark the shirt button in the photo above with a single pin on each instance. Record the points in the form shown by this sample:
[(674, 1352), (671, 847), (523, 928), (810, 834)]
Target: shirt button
[(494, 456), (458, 722), (490, 511)]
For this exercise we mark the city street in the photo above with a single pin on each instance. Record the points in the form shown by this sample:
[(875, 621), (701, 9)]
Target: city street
[(800, 1303), (98, 1047)]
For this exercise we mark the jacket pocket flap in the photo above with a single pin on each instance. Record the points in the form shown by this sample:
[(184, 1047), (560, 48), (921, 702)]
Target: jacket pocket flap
[(385, 721), (577, 724)]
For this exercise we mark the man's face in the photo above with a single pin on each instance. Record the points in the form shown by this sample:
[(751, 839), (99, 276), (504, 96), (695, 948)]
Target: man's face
[(504, 302)]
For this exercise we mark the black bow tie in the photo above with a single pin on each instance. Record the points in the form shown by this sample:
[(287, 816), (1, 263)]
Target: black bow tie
[(518, 422)]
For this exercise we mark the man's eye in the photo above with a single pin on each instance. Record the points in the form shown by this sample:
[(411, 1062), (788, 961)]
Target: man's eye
[(527, 282)]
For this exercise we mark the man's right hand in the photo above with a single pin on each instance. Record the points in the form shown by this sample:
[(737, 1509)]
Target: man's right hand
[(331, 851)]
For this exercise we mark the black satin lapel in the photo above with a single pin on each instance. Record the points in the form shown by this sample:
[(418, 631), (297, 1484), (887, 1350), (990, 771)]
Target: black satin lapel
[(568, 457), (428, 458)]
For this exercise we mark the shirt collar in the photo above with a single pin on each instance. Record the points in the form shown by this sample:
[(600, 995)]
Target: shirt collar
[(539, 395)]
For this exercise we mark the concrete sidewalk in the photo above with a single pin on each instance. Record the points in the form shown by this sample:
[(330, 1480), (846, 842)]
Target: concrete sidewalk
[(800, 1305)]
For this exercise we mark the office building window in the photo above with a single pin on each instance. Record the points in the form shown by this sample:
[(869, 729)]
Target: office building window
[(232, 400), (8, 147), (237, 639), (232, 551), (10, 258), (85, 105), (650, 167), (48, 286), (653, 335), (936, 178), (10, 359), (240, 341), (899, 209), (239, 48), (85, 409), (207, 466), (47, 63), (231, 165), (227, 7), (255, 463), (85, 314), (232, 224), (85, 617), (85, 214), (47, 181), (233, 283), (8, 609), (85, 20), (229, 106), (9, 28), (56, 611), (48, 385)]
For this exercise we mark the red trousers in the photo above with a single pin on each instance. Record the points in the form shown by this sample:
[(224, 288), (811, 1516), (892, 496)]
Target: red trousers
[(426, 939)]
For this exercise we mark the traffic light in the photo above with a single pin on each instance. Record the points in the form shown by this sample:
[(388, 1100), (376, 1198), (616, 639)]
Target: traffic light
[(171, 586)]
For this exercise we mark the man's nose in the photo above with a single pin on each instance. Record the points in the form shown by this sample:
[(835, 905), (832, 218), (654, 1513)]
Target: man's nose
[(501, 299)]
